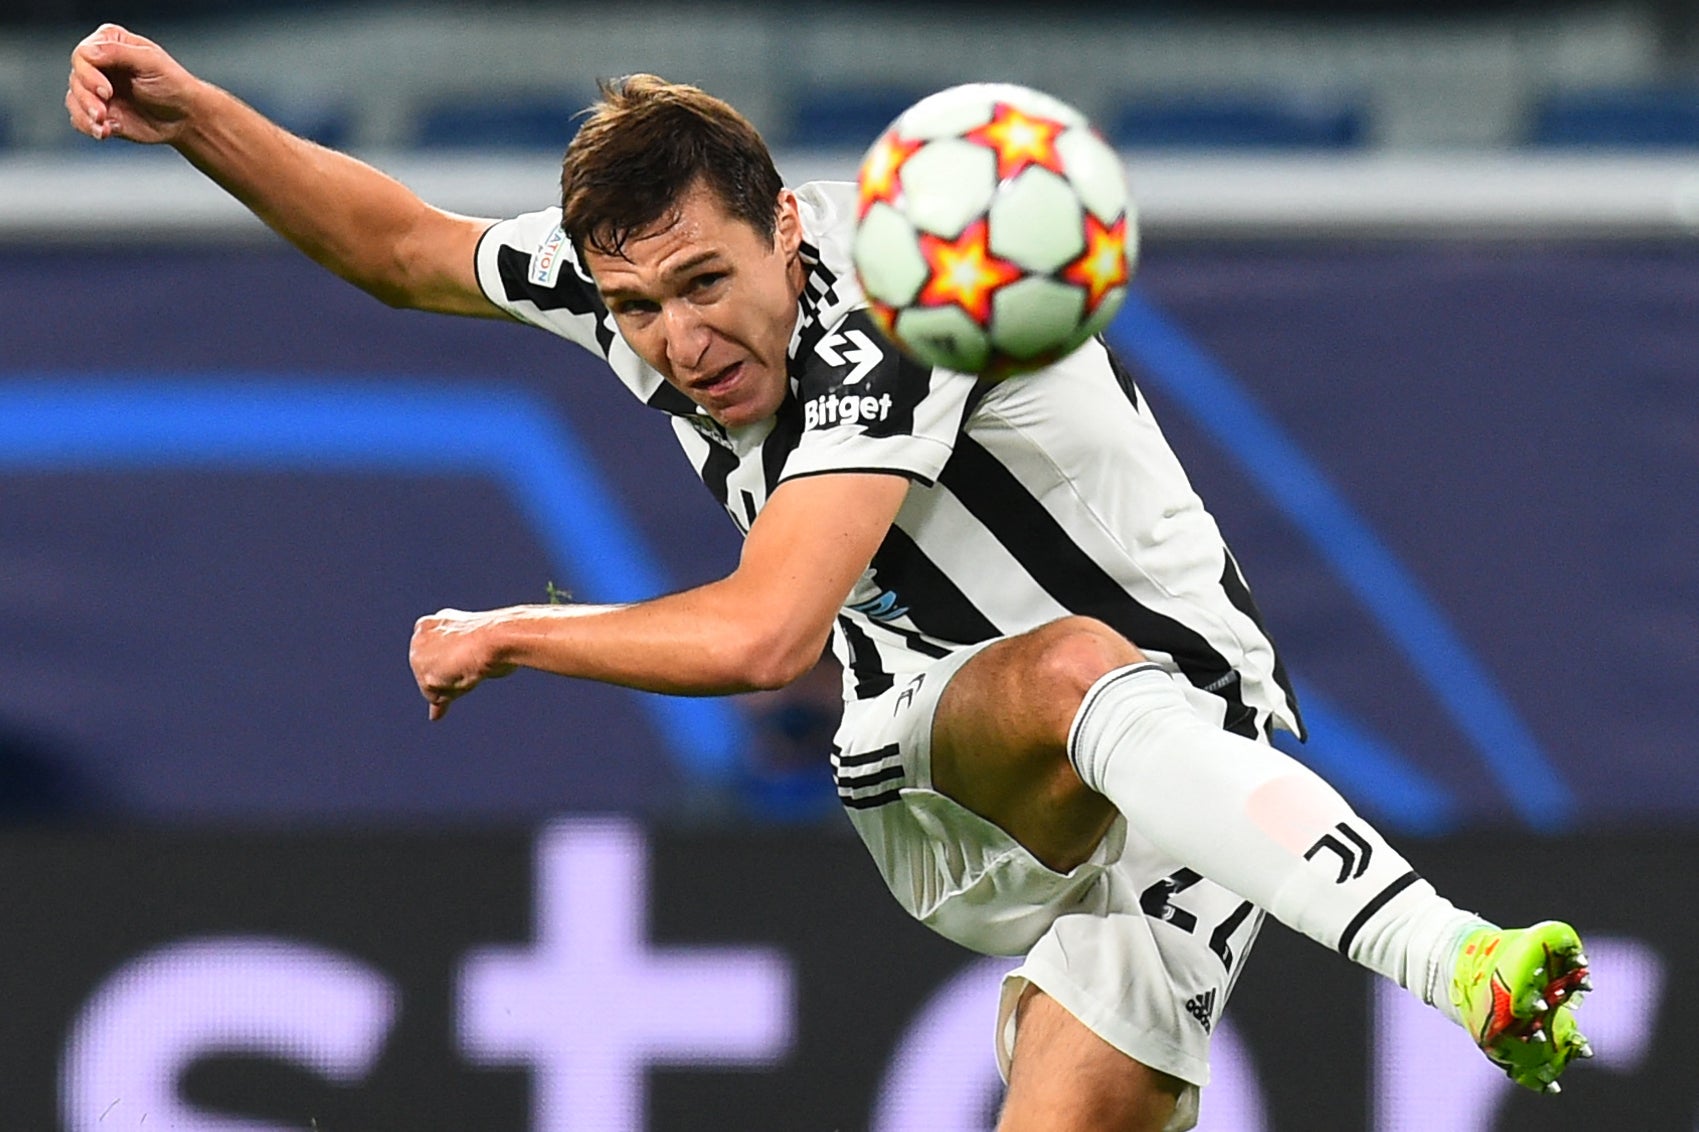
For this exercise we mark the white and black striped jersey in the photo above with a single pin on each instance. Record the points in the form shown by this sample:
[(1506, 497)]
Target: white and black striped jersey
[(1033, 498)]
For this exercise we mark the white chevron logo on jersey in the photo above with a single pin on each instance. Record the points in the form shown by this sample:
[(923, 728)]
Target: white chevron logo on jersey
[(861, 350)]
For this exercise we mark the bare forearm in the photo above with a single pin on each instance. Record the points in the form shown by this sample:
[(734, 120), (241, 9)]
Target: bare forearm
[(361, 224), (348, 216), (761, 627), (688, 644), (675, 645)]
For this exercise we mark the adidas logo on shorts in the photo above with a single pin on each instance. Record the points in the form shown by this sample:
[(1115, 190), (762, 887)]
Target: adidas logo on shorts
[(1202, 1007)]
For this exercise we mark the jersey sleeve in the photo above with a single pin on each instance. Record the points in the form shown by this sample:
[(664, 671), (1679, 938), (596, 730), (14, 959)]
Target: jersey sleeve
[(868, 407), (528, 268)]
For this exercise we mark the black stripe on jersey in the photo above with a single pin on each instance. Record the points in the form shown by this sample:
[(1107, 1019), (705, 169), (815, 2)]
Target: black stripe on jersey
[(606, 332), (1044, 549), (781, 442), (670, 400), (914, 642), (717, 470), (574, 292), (819, 286), (937, 608), (871, 679), (1373, 906), (1233, 582), (570, 293), (809, 338), (822, 281), (1240, 718), (914, 383), (869, 370), (1122, 378)]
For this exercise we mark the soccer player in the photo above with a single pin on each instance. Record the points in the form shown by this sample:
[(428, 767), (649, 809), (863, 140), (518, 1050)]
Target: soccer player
[(1057, 688)]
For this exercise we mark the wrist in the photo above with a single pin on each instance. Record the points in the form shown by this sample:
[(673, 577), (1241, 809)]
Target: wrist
[(205, 110), (504, 642)]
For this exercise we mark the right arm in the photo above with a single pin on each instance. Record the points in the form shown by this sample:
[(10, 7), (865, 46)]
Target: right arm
[(363, 225)]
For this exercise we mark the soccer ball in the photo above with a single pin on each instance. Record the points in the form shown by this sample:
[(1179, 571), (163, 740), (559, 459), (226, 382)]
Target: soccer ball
[(993, 233)]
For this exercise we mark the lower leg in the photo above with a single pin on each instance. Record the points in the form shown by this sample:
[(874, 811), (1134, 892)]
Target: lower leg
[(1064, 1078), (1034, 736), (1266, 827), (1263, 825), (1051, 733)]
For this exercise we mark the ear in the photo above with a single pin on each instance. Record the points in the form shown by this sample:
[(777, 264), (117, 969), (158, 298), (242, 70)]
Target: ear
[(787, 229)]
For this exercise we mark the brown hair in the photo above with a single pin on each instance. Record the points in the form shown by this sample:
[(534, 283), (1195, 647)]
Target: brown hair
[(646, 144)]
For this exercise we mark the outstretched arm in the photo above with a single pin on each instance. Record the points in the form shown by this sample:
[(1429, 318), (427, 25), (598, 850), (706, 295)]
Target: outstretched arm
[(363, 225), (761, 627)]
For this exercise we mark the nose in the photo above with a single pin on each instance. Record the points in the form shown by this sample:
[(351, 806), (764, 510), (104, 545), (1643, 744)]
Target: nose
[(687, 335)]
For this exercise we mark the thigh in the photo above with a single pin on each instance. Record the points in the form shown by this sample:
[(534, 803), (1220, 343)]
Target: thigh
[(953, 869), (1000, 741), (1064, 1078)]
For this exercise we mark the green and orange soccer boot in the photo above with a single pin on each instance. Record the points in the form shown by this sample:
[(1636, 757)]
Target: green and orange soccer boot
[(1516, 989)]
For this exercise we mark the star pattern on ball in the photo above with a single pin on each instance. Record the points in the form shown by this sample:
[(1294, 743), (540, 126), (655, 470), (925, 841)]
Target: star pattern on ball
[(879, 178), (964, 272), (1102, 267), (1020, 140)]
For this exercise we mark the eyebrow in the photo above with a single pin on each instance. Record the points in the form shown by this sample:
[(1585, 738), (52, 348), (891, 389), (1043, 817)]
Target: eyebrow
[(685, 268)]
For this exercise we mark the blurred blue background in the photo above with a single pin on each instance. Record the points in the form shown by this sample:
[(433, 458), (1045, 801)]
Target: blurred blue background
[(1415, 306), (1311, 74), (1412, 304)]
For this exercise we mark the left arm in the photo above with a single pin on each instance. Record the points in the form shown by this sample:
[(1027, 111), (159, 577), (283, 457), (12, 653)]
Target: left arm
[(760, 627)]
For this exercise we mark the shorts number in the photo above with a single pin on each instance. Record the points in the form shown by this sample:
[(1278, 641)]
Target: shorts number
[(1157, 902)]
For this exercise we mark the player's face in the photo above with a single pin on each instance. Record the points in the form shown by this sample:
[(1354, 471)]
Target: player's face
[(710, 303)]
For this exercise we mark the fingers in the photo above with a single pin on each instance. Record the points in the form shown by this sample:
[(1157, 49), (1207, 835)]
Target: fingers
[(442, 678), (439, 696), (89, 98), (112, 47), (113, 42), (109, 66)]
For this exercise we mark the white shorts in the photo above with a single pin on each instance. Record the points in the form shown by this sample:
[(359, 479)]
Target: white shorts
[(1141, 950)]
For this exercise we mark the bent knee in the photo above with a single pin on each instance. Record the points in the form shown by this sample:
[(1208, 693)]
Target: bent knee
[(1075, 652)]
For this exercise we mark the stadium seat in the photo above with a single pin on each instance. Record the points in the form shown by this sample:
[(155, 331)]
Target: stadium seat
[(1239, 121), (1632, 117), (845, 117), (511, 122)]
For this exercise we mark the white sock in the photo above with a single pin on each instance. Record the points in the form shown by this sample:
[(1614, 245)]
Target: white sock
[(1264, 826)]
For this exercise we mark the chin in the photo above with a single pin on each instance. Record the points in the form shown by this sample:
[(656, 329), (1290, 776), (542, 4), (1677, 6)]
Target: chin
[(737, 416), (746, 412)]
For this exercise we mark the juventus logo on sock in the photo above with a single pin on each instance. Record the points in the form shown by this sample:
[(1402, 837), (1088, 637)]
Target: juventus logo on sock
[(1353, 858)]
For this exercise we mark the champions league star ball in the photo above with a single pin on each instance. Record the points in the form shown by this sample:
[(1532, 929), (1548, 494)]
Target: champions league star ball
[(994, 232)]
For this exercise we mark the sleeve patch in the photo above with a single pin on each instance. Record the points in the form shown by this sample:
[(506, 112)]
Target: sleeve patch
[(547, 260), (566, 291)]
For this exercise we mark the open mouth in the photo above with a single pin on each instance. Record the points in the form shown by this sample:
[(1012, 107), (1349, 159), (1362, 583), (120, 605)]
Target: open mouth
[(720, 380)]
